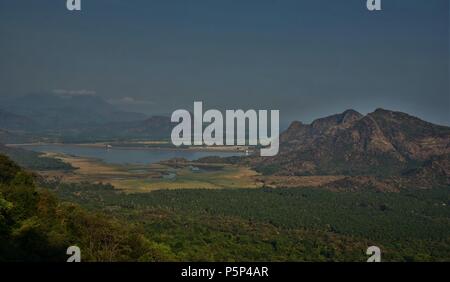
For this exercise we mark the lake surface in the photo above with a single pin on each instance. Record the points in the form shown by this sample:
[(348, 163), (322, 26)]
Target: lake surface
[(127, 155)]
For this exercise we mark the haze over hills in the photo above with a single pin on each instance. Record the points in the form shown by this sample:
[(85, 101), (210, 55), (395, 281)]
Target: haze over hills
[(52, 111), (80, 118), (380, 144), (155, 127), (11, 121)]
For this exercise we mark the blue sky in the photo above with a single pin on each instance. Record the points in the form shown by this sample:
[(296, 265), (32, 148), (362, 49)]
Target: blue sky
[(307, 58)]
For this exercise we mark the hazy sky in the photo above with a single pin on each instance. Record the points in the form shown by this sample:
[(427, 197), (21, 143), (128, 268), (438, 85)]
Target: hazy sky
[(307, 58)]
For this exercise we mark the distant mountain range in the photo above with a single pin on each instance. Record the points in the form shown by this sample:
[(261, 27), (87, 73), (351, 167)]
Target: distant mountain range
[(51, 111), (382, 144), (10, 121), (75, 118), (155, 127)]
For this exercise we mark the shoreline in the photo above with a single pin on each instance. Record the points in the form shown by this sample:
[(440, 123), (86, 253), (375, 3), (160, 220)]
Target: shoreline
[(221, 149)]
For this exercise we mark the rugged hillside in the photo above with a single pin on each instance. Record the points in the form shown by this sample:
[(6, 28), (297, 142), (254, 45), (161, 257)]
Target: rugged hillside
[(382, 143)]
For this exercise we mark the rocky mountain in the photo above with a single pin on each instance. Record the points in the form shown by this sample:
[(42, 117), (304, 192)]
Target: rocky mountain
[(381, 143)]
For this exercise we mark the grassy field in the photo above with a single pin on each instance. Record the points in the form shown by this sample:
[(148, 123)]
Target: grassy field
[(145, 178)]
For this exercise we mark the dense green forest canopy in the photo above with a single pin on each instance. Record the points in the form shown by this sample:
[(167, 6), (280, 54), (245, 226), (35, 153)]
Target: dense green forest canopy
[(410, 225), (39, 221), (36, 226)]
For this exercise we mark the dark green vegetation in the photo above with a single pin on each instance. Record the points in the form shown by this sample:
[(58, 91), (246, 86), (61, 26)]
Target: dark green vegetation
[(217, 225), (282, 224), (386, 157), (33, 160), (36, 226)]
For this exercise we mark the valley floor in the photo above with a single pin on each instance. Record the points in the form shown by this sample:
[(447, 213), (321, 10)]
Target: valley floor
[(159, 213), (187, 175), (193, 211), (145, 178)]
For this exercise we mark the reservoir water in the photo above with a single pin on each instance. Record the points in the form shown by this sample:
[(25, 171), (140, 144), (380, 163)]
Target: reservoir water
[(127, 155)]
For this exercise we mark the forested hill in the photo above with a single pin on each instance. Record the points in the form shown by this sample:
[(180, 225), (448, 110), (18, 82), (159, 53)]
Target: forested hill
[(216, 225), (36, 226)]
